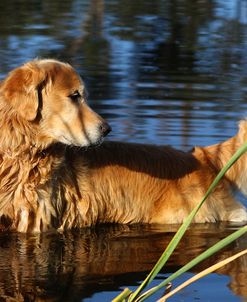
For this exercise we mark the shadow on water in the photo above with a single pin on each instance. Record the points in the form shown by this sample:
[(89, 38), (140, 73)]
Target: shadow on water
[(163, 72), (77, 265)]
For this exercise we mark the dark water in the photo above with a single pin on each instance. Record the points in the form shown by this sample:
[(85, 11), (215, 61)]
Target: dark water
[(160, 71)]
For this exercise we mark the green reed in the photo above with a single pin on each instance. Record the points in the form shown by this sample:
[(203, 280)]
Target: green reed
[(135, 296)]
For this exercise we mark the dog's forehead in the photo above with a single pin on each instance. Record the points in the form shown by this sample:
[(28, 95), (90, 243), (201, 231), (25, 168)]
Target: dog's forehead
[(68, 79)]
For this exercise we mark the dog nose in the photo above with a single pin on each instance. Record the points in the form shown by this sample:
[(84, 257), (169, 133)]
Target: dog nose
[(105, 128)]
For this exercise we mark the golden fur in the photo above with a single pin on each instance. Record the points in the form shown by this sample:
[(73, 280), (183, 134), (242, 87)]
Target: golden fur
[(45, 185)]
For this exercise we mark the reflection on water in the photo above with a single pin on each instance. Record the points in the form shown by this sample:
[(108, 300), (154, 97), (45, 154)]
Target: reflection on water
[(161, 71), (91, 263)]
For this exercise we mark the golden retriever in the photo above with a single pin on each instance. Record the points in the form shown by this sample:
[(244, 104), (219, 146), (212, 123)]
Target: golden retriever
[(47, 185)]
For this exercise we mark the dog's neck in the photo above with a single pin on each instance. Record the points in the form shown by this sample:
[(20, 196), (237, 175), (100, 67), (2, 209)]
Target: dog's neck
[(31, 152)]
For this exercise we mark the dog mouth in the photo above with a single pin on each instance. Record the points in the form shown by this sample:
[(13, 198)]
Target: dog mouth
[(97, 143), (90, 144)]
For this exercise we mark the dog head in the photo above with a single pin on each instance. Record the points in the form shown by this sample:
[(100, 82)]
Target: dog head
[(51, 96)]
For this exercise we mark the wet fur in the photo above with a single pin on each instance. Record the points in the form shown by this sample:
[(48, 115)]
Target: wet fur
[(47, 185)]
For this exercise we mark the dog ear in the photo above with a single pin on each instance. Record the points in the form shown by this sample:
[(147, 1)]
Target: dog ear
[(20, 90)]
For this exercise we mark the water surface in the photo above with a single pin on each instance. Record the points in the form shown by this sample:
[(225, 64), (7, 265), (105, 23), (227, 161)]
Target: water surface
[(94, 264), (161, 72)]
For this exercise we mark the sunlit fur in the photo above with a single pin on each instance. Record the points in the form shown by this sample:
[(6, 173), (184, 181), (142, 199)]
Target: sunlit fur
[(45, 185)]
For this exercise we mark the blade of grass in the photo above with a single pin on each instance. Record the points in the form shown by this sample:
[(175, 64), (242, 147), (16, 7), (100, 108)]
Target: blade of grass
[(212, 250), (125, 294), (202, 274), (179, 234)]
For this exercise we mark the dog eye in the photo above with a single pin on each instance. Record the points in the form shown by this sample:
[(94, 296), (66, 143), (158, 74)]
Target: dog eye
[(75, 97)]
